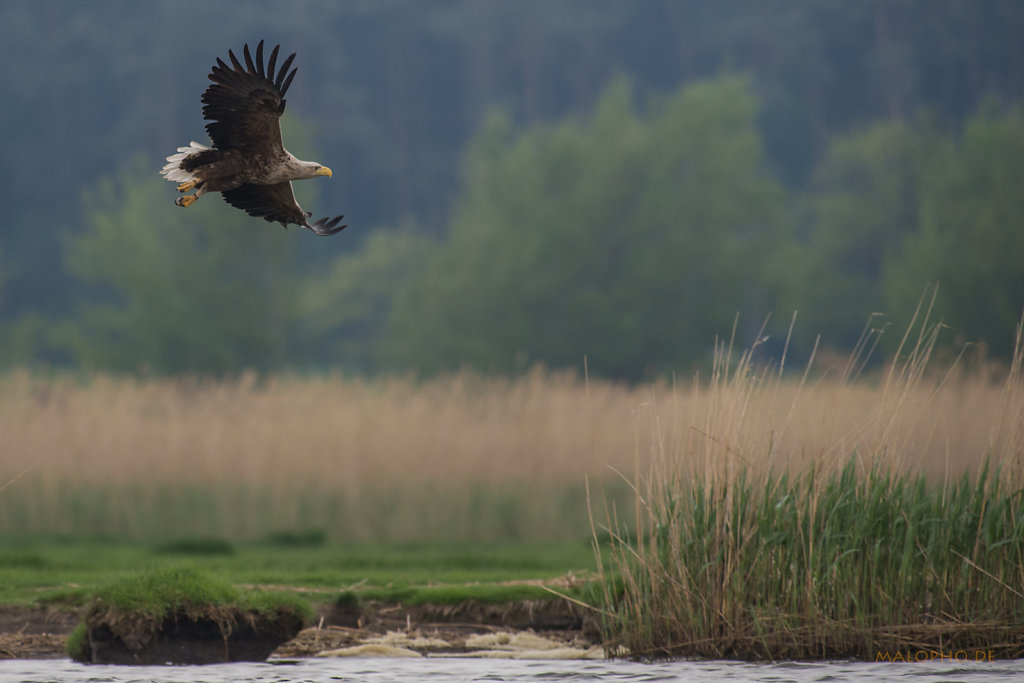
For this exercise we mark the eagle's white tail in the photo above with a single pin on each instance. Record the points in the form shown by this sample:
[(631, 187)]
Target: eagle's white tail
[(173, 171)]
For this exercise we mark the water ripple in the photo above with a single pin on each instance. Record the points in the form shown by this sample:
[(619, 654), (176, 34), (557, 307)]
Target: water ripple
[(461, 669)]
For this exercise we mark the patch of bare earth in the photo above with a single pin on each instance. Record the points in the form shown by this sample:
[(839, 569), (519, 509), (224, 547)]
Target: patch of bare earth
[(388, 628), (550, 626), (34, 632)]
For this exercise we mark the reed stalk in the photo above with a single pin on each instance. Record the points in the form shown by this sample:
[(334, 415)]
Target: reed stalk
[(855, 545)]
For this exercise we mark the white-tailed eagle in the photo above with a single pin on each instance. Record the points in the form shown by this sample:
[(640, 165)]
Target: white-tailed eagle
[(248, 163)]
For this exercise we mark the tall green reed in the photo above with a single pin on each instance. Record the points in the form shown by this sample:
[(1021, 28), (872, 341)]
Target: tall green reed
[(737, 554)]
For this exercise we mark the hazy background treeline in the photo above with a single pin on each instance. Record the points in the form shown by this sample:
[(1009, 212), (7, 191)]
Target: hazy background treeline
[(525, 182)]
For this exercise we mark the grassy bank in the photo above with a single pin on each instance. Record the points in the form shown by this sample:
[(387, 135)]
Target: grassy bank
[(57, 570), (870, 548), (126, 618)]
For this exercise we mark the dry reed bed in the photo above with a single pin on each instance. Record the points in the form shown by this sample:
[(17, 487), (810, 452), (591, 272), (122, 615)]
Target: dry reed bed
[(325, 431), (345, 454), (464, 429), (395, 457)]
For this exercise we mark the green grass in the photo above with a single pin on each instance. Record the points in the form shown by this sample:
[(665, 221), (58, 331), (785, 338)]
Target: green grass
[(62, 570), (154, 593)]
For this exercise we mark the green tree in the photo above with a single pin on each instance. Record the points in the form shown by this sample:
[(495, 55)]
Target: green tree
[(864, 202), (207, 290), (344, 311), (970, 239), (632, 238)]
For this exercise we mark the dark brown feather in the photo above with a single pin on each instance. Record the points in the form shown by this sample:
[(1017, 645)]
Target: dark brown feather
[(277, 203), (244, 103), (269, 202)]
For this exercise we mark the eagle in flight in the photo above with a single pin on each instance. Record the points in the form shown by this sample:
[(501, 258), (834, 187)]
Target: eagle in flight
[(248, 163)]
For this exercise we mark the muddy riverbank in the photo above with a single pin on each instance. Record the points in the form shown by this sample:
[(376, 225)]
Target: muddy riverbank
[(540, 627)]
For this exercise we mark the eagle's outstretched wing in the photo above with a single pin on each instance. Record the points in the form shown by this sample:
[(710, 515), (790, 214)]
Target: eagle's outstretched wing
[(277, 203), (244, 103)]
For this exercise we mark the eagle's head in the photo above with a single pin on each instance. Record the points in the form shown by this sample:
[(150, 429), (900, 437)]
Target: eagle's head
[(301, 170)]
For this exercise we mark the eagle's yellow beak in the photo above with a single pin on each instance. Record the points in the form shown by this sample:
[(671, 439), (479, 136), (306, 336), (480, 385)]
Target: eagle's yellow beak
[(323, 170)]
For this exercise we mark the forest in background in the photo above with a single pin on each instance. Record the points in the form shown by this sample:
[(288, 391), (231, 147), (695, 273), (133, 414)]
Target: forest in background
[(525, 183)]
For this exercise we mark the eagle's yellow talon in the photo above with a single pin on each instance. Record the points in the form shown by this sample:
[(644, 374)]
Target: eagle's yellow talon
[(186, 186), (186, 201)]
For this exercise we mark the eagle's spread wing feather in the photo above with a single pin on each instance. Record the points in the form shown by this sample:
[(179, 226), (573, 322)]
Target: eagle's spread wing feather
[(277, 203), (244, 102)]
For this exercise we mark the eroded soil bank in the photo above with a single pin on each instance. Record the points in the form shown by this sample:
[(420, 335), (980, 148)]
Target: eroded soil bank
[(211, 634), (553, 628)]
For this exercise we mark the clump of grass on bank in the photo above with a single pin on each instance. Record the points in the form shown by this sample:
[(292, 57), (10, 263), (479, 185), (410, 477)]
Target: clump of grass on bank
[(154, 593), (862, 553), (137, 605)]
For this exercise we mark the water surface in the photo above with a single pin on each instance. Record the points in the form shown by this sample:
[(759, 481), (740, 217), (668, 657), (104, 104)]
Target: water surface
[(471, 669)]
